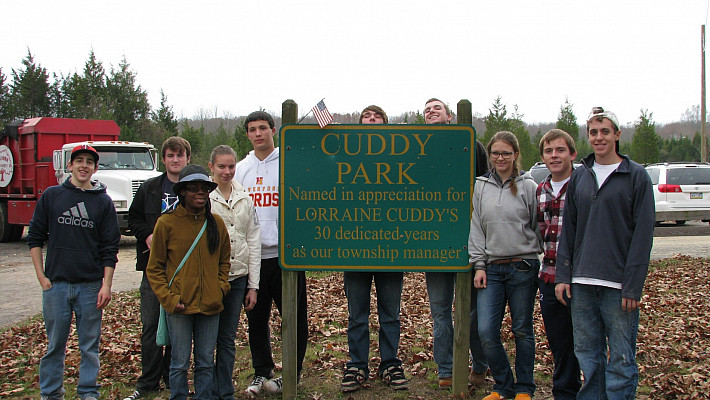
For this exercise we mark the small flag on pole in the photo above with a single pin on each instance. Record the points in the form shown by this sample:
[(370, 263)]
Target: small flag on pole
[(320, 111)]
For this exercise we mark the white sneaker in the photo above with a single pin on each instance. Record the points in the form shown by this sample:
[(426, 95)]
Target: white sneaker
[(274, 385), (255, 386), (135, 396)]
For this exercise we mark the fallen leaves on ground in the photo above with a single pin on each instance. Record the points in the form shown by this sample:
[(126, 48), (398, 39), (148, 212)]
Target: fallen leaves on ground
[(673, 338)]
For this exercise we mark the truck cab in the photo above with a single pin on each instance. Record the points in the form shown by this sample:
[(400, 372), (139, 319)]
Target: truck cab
[(34, 154), (123, 167)]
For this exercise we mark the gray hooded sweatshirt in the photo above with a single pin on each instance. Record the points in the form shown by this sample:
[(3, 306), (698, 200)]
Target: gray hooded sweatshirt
[(503, 225)]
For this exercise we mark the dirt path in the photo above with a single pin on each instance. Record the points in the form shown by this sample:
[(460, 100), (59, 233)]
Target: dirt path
[(23, 296)]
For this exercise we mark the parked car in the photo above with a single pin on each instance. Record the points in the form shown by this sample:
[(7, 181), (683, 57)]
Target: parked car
[(539, 171), (681, 191)]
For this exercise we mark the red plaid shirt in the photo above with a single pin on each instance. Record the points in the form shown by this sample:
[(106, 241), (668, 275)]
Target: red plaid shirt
[(549, 218)]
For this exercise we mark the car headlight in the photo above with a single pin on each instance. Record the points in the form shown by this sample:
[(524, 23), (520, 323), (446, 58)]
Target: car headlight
[(120, 203)]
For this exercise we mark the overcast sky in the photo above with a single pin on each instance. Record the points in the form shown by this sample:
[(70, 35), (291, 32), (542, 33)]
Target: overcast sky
[(233, 57)]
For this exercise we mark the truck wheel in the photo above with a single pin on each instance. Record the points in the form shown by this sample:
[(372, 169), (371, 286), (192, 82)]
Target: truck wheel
[(6, 230), (680, 222)]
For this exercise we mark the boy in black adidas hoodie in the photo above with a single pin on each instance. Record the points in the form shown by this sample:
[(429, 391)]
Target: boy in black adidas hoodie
[(78, 221)]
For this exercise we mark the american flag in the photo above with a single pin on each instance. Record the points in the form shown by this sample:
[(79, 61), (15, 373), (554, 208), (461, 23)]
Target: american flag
[(320, 111)]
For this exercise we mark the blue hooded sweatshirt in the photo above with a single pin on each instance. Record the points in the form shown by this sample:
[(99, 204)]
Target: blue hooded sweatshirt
[(81, 231)]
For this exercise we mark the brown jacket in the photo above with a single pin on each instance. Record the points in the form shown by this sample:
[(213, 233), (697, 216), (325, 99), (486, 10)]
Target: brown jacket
[(202, 283)]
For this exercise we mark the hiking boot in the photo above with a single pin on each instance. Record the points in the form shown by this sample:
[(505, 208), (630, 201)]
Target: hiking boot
[(494, 396), (256, 384), (353, 378), (394, 377), (477, 378), (445, 382), (274, 385), (522, 396), (135, 396)]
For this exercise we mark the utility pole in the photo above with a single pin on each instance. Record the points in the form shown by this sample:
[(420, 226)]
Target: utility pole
[(703, 136)]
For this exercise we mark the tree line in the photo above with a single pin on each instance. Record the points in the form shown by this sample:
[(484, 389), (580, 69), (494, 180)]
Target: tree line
[(96, 93)]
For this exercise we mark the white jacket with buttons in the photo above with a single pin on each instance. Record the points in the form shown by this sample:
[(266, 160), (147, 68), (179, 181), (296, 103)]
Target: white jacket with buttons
[(242, 223)]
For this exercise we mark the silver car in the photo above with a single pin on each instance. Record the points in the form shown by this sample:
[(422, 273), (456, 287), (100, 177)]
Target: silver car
[(681, 191)]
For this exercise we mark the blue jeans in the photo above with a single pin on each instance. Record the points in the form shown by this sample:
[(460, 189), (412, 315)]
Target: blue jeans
[(597, 317), (440, 288), (478, 357), (388, 286), (514, 284), (58, 304), (558, 328), (223, 387), (184, 330)]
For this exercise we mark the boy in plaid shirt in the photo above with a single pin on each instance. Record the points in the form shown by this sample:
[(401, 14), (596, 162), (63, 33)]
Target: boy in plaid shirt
[(558, 152)]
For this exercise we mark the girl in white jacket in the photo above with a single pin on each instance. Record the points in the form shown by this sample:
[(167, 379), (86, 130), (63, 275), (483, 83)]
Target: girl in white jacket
[(231, 202)]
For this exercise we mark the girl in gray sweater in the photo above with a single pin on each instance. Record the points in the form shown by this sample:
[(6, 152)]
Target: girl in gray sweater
[(504, 243)]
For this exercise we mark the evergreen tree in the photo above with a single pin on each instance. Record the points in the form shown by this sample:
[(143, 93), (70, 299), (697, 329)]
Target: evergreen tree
[(419, 118), (5, 114), (87, 93), (165, 117), (129, 102), (567, 121), (529, 153), (196, 137), (29, 93), (496, 120), (645, 142), (58, 98), (243, 145)]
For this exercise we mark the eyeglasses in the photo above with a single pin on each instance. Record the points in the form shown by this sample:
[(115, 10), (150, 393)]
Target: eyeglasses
[(197, 188), (505, 154)]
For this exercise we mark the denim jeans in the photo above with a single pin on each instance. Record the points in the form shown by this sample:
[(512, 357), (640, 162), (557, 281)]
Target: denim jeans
[(58, 304), (440, 288), (597, 317), (388, 287), (514, 284), (223, 387), (558, 328), (186, 331), (155, 360), (478, 357), (259, 331)]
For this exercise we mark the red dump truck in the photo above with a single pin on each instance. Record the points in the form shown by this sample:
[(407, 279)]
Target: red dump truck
[(34, 154)]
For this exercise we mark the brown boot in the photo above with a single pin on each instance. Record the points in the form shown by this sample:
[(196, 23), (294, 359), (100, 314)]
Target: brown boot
[(477, 378)]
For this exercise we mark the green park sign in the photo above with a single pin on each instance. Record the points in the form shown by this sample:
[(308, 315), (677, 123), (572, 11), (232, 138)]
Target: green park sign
[(375, 197)]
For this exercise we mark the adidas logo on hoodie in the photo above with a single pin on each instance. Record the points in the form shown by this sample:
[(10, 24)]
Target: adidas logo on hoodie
[(77, 216)]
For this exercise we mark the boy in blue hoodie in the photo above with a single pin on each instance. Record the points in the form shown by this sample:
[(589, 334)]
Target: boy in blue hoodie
[(77, 276)]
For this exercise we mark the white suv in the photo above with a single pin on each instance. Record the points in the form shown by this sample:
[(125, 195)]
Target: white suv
[(681, 190)]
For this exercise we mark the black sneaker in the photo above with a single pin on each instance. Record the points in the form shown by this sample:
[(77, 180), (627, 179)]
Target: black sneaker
[(394, 377), (353, 378)]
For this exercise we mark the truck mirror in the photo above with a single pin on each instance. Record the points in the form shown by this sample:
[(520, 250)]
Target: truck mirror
[(58, 163)]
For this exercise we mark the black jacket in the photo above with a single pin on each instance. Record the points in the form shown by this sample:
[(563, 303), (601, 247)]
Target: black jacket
[(481, 166), (144, 212)]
